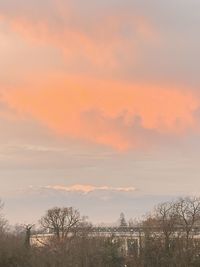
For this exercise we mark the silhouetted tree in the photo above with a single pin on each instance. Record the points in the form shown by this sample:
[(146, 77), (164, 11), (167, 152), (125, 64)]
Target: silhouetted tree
[(61, 221), (122, 220)]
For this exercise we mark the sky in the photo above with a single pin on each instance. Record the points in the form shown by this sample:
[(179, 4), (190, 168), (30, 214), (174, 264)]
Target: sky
[(99, 105)]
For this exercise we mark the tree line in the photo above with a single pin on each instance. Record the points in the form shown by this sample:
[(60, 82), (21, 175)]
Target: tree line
[(169, 236)]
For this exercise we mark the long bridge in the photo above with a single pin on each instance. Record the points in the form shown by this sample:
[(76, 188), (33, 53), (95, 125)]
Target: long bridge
[(130, 237)]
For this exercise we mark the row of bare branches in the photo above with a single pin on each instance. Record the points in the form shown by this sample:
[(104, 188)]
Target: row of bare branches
[(173, 230), (168, 237)]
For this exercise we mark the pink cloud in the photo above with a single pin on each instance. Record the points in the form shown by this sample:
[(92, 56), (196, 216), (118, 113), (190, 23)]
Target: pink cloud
[(85, 189)]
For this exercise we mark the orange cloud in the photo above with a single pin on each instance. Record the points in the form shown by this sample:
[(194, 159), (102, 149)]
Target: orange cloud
[(100, 39), (116, 113), (112, 113)]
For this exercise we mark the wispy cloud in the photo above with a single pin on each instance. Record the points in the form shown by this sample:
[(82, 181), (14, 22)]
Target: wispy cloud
[(86, 189)]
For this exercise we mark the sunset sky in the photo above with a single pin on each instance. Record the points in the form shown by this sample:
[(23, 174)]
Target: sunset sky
[(99, 105)]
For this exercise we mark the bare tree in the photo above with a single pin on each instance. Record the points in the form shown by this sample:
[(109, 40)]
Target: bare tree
[(169, 234), (28, 229), (3, 221), (61, 221), (166, 217), (188, 211)]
